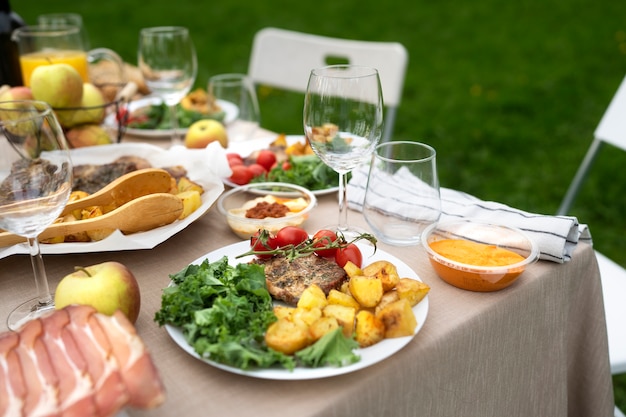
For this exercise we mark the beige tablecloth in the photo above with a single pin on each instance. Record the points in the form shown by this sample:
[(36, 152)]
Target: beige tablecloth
[(537, 348)]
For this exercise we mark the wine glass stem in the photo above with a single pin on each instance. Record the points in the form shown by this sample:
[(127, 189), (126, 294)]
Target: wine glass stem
[(176, 136), (343, 202), (41, 280)]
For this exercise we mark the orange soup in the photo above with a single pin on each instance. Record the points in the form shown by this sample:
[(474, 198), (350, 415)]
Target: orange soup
[(473, 253)]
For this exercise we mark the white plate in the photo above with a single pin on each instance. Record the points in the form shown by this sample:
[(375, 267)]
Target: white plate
[(245, 148), (369, 356), (195, 161), (229, 108)]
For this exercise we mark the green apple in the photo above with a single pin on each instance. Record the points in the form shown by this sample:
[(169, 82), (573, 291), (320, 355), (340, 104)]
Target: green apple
[(92, 108), (205, 131), (60, 85), (108, 287), (88, 135)]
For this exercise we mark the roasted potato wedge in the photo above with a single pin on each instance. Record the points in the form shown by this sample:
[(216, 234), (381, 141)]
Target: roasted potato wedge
[(414, 291), (338, 297), (368, 291), (369, 329), (345, 317), (385, 271), (312, 297), (398, 319), (287, 336)]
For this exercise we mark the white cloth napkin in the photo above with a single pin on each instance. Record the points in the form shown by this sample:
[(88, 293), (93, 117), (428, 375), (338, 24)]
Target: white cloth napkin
[(556, 236)]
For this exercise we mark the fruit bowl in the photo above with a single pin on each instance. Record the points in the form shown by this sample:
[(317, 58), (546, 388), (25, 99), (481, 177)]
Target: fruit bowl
[(478, 256), (235, 203), (73, 117)]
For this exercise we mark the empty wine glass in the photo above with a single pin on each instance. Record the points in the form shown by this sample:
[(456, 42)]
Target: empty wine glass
[(35, 184), (343, 122), (167, 59)]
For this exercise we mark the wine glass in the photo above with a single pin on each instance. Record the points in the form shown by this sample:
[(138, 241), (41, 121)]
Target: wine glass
[(35, 184), (168, 63), (343, 122)]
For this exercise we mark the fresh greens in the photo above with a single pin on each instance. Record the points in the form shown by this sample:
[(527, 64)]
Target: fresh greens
[(224, 311), (157, 116), (332, 349), (305, 170)]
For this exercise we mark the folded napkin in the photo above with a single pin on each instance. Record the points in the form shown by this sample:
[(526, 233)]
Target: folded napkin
[(556, 236)]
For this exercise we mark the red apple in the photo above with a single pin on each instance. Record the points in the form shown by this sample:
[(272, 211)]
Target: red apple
[(17, 93), (108, 287)]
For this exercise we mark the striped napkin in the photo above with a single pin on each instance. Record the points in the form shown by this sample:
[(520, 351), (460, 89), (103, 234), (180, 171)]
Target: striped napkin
[(556, 236)]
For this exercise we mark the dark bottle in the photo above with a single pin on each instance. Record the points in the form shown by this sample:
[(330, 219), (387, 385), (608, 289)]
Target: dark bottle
[(10, 71)]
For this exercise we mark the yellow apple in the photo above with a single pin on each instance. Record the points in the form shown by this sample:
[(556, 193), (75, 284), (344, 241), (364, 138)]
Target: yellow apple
[(92, 108), (59, 85), (88, 135), (107, 287), (205, 131)]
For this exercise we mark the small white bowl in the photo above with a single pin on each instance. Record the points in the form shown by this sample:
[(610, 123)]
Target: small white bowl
[(476, 277), (231, 202)]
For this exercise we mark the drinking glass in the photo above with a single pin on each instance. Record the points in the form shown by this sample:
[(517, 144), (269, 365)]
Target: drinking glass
[(35, 184), (343, 122), (402, 193), (59, 20), (238, 90), (167, 59)]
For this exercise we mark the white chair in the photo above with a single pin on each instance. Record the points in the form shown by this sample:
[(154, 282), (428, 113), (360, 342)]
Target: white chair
[(611, 130), (284, 59)]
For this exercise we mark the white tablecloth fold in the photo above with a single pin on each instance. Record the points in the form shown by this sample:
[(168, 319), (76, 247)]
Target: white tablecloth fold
[(556, 236)]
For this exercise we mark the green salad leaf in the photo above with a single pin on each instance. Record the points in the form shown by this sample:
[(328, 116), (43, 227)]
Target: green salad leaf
[(157, 116), (331, 349), (224, 311), (307, 171)]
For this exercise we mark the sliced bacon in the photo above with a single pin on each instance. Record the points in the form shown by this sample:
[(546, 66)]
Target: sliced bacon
[(12, 388), (138, 371), (110, 391), (76, 388), (76, 362), (40, 379)]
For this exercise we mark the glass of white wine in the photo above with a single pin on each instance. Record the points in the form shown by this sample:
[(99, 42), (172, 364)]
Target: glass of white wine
[(35, 184)]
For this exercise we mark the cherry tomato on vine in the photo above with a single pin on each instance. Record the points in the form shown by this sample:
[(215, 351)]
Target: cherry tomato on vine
[(321, 239), (266, 159), (349, 253), (291, 235), (258, 245)]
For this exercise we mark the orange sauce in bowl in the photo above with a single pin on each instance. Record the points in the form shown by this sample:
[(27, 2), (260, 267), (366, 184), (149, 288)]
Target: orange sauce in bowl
[(473, 253)]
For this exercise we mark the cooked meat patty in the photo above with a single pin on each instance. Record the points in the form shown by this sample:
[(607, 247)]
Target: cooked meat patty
[(287, 280)]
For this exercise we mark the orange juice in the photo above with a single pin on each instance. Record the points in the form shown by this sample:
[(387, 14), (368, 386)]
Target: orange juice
[(77, 59)]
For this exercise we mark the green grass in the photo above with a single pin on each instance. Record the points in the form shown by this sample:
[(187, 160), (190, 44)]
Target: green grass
[(509, 93)]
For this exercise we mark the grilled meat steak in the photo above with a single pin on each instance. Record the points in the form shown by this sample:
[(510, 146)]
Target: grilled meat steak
[(90, 178), (287, 280)]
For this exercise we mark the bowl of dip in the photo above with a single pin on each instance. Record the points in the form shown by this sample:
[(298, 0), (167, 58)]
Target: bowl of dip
[(478, 256), (265, 205)]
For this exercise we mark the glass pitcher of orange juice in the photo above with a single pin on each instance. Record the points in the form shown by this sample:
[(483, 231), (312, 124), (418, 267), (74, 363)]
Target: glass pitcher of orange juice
[(44, 45)]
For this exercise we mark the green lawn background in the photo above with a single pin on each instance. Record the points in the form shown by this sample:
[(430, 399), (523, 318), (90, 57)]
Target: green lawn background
[(509, 93)]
